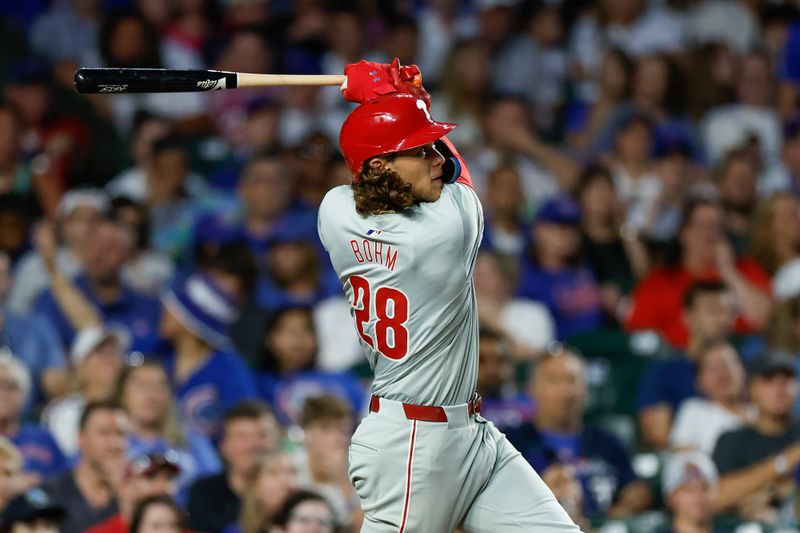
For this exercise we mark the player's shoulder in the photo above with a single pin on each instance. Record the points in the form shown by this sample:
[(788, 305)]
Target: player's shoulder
[(337, 197)]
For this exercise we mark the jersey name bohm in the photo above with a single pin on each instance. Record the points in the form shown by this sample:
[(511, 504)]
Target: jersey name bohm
[(368, 251)]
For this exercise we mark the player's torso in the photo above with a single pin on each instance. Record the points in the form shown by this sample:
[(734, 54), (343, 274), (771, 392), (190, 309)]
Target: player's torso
[(408, 278)]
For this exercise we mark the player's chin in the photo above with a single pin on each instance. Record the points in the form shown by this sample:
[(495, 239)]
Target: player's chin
[(436, 189)]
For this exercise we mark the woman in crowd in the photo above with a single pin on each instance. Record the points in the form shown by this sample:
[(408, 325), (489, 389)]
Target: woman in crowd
[(305, 512), (775, 241), (289, 364), (144, 391), (272, 480), (158, 514), (613, 248)]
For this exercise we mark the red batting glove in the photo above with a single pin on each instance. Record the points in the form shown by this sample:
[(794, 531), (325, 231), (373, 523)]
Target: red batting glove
[(367, 81)]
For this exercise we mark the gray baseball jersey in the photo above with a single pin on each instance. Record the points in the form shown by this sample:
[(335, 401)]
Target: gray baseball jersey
[(408, 277)]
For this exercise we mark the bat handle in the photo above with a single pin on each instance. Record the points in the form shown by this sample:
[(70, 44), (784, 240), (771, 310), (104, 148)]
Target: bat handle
[(314, 80)]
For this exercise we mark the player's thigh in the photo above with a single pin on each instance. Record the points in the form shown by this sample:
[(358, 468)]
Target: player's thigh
[(516, 500)]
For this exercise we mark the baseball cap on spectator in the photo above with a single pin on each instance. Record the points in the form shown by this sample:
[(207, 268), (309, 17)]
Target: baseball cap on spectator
[(148, 465), (74, 199), (204, 308), (88, 339), (685, 467), (29, 507), (772, 363), (560, 210)]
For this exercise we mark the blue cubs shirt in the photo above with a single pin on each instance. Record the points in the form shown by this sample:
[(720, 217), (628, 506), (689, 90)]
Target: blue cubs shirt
[(288, 393), (571, 295), (223, 381), (39, 451)]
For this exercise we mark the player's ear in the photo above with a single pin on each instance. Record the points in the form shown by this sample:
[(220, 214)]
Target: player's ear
[(376, 163)]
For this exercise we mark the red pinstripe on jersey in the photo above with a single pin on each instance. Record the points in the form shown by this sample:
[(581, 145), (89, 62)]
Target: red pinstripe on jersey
[(408, 477)]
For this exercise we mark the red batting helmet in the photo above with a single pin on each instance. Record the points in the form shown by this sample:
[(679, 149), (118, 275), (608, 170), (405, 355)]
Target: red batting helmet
[(387, 124)]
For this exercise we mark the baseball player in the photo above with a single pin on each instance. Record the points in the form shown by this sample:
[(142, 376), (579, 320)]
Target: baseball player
[(403, 239)]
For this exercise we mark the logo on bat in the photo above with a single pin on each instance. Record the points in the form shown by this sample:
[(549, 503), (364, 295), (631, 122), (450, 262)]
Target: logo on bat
[(113, 88), (212, 85)]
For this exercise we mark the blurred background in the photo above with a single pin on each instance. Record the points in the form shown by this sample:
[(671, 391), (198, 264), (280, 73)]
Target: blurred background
[(176, 351)]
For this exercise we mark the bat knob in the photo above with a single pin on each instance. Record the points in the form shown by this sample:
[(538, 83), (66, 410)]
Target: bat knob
[(81, 83)]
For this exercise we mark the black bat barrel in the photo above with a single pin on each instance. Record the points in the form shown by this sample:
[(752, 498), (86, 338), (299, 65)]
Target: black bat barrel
[(151, 80)]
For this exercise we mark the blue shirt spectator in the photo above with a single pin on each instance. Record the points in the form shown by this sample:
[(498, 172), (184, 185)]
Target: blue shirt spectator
[(35, 341), (670, 381), (286, 394), (138, 313), (208, 377), (39, 451)]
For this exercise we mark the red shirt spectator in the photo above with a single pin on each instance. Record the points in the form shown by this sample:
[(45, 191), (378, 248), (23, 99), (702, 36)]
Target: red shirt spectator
[(706, 256)]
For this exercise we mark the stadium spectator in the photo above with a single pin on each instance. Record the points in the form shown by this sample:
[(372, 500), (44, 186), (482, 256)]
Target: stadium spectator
[(665, 384), (145, 476), (78, 211), (502, 403), (13, 480), (690, 483), (104, 253), (89, 489), (32, 511), (97, 357), (554, 273), (271, 480), (462, 91), (18, 181), (327, 423), (705, 255), (756, 463), (249, 430), (144, 391), (290, 373), (293, 273), (753, 114), (158, 514), (305, 512), (34, 341), (146, 270), (504, 231), (775, 241), (526, 323), (785, 175), (737, 179), (40, 453), (555, 434), (721, 407), (209, 377), (613, 250), (562, 480), (509, 139)]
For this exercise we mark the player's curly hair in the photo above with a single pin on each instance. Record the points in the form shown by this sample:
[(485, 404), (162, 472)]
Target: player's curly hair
[(380, 191)]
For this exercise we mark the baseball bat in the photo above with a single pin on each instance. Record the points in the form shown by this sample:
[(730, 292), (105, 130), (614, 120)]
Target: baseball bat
[(163, 80)]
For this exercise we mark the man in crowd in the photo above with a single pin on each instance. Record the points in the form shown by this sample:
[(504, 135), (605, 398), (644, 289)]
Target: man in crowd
[(555, 435), (690, 486), (88, 491), (248, 430), (757, 462), (708, 313), (103, 255), (327, 422), (145, 476)]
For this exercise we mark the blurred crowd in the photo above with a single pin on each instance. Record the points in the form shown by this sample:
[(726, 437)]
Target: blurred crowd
[(176, 353)]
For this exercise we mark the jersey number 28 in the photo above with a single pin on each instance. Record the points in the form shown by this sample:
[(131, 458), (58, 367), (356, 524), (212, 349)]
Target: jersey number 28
[(391, 311)]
